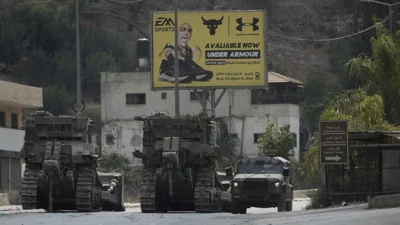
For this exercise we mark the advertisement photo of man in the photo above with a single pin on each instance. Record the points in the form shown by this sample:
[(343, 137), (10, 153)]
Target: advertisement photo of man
[(189, 70)]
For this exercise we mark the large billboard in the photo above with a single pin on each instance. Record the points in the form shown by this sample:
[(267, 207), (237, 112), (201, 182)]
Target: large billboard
[(217, 49)]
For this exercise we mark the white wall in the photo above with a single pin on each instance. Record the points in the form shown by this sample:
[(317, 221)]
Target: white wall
[(118, 118), (257, 124), (128, 138), (11, 139)]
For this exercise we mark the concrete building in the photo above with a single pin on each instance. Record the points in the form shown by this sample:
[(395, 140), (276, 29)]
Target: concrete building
[(14, 98), (125, 95)]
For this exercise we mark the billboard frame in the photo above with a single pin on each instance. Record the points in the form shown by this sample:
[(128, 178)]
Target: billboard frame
[(265, 22), (347, 143)]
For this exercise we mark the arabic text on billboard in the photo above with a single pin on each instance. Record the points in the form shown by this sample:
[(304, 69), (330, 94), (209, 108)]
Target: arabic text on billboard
[(216, 49)]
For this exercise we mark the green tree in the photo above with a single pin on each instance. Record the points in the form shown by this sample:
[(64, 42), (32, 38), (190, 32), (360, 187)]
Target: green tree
[(380, 72), (64, 69), (314, 97), (12, 43), (56, 99), (39, 68), (226, 144), (97, 62), (362, 111), (277, 142)]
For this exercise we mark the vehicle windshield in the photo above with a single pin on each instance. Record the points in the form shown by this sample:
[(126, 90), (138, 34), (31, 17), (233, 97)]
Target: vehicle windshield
[(252, 167)]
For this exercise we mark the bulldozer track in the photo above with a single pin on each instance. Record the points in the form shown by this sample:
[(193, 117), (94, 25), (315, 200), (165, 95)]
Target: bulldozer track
[(148, 192), (29, 189), (86, 191), (203, 200)]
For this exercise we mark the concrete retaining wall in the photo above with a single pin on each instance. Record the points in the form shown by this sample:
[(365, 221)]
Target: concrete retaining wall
[(384, 201), (14, 197), (302, 193), (4, 199)]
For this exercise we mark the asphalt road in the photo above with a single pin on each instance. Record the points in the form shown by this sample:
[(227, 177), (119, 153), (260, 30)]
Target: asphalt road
[(350, 215)]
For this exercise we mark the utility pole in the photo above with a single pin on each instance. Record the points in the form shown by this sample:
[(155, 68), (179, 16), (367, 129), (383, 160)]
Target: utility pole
[(176, 63), (390, 20), (78, 61)]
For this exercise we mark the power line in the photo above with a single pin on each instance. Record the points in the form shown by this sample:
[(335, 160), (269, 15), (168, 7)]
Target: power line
[(331, 39), (125, 2), (312, 40)]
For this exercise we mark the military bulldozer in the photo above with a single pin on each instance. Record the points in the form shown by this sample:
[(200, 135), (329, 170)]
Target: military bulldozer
[(61, 167), (179, 172)]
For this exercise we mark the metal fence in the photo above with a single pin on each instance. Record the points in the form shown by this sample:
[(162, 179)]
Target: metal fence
[(366, 175)]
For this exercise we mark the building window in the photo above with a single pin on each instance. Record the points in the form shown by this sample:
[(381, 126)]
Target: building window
[(163, 95), (193, 96), (234, 135), (14, 121), (264, 97), (110, 139), (257, 136), (2, 119), (135, 99)]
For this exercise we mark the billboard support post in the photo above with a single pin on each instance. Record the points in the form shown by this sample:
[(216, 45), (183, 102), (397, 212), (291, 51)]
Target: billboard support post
[(212, 103), (176, 61), (213, 100)]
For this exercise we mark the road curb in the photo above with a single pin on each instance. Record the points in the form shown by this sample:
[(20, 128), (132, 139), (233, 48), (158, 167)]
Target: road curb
[(132, 205), (384, 201), (15, 209), (301, 199)]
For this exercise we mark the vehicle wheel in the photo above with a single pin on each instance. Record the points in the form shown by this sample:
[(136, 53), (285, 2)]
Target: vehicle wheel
[(282, 203), (289, 205), (226, 207), (120, 208), (235, 208), (243, 210)]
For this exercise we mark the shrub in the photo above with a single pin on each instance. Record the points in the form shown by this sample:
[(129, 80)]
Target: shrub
[(317, 199)]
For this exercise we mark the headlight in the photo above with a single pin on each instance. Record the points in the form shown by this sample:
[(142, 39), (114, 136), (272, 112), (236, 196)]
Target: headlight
[(277, 184), (235, 184)]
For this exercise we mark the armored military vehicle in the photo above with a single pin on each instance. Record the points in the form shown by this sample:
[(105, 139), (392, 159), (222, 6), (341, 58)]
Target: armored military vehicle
[(179, 171), (262, 182), (225, 195), (61, 167)]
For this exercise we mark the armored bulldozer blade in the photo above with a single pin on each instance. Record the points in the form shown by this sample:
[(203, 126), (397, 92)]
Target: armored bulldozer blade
[(112, 191)]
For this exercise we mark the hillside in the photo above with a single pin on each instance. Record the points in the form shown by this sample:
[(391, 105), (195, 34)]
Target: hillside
[(311, 19), (39, 39)]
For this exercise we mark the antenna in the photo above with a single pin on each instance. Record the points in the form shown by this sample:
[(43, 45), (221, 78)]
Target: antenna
[(79, 103)]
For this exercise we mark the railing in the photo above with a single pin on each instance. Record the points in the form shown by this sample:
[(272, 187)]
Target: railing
[(267, 98)]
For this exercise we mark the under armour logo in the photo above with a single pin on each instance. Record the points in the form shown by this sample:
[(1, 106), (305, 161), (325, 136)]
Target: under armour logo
[(241, 24)]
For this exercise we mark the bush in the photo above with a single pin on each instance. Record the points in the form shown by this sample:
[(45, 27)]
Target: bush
[(317, 199)]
